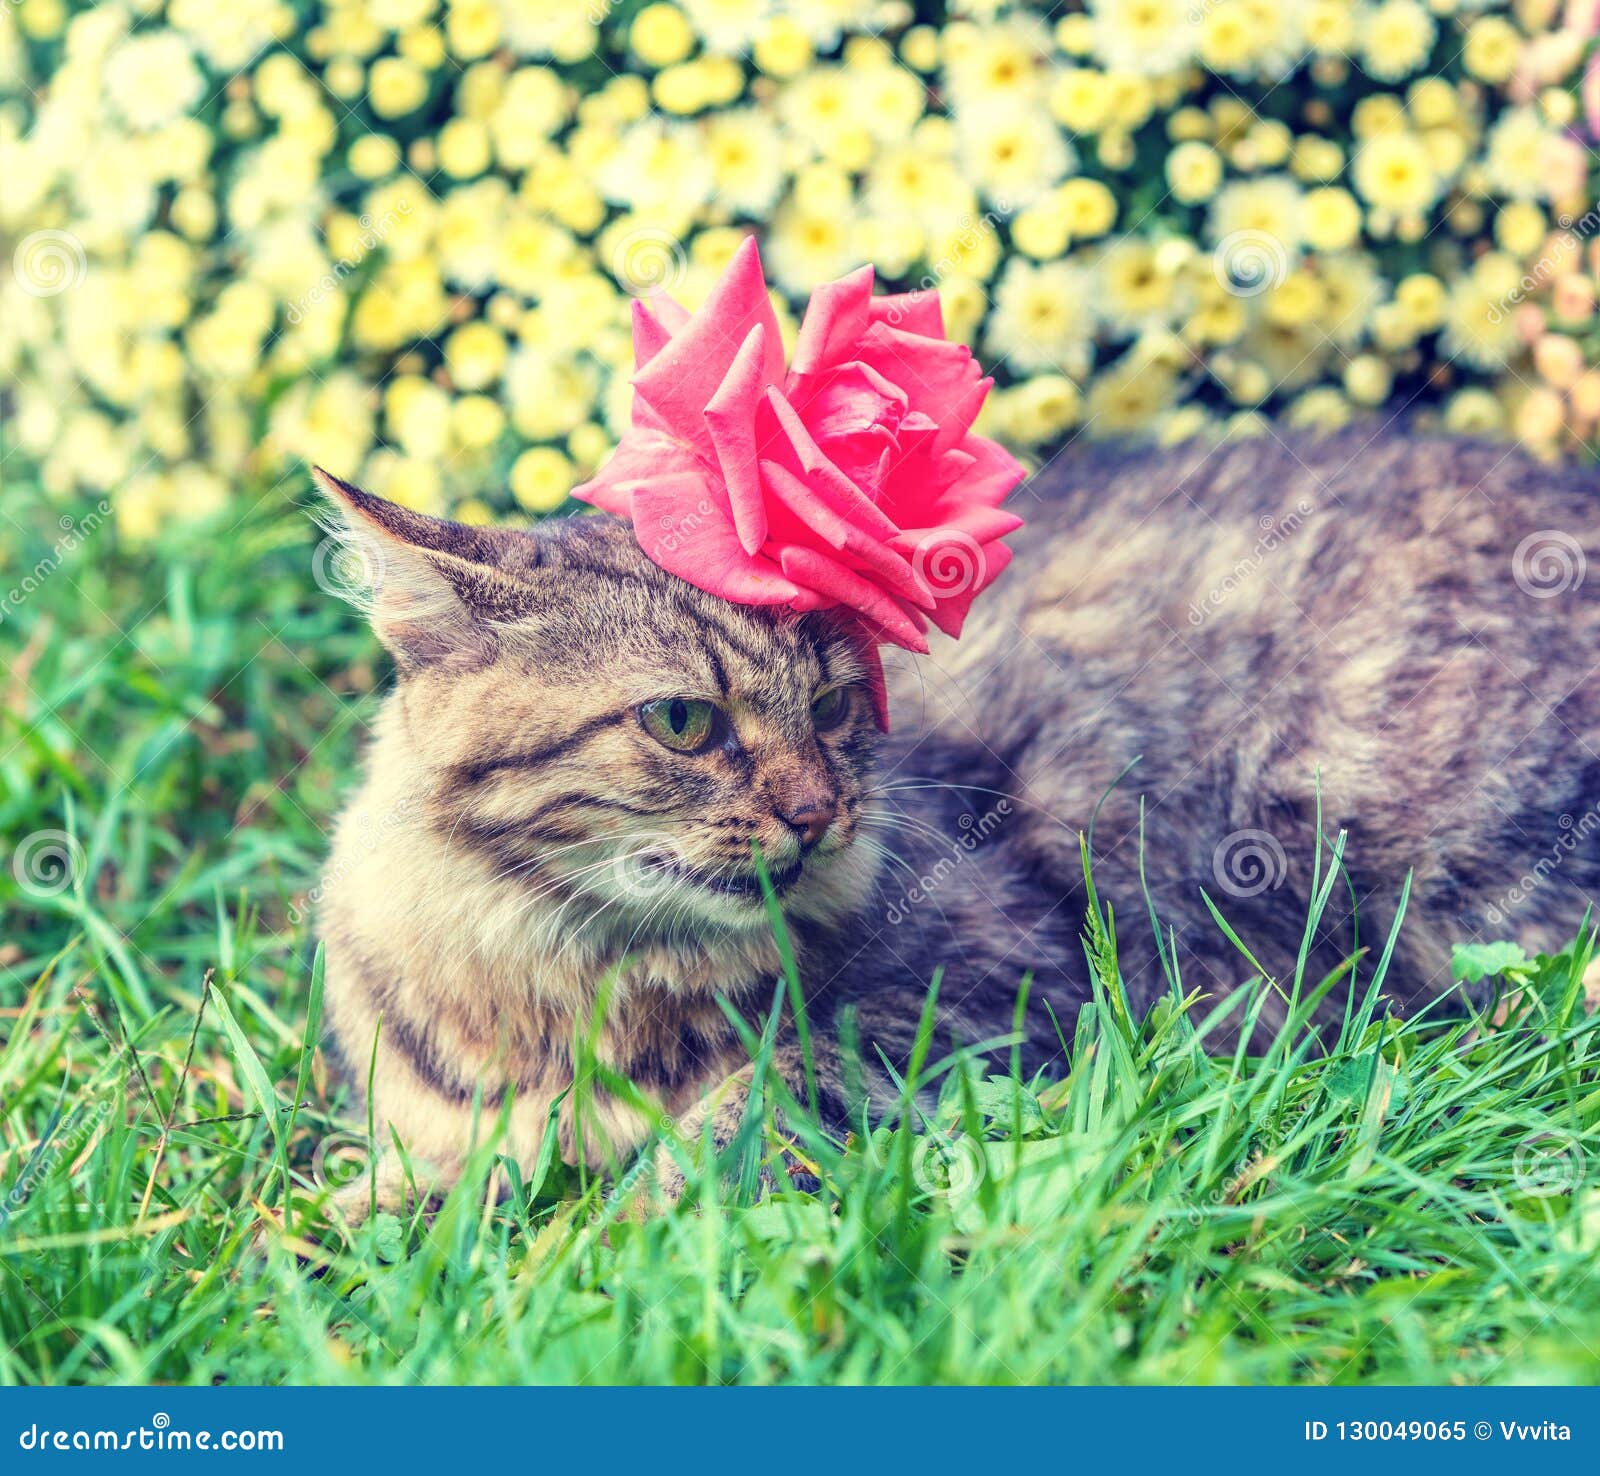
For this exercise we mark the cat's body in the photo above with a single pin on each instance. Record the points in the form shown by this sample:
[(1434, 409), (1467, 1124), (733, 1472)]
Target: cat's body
[(1401, 625)]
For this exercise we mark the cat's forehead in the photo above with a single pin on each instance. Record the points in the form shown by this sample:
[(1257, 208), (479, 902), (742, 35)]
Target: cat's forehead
[(605, 607)]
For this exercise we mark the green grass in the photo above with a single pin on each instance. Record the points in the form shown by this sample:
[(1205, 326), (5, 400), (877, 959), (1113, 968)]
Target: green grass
[(1409, 1204)]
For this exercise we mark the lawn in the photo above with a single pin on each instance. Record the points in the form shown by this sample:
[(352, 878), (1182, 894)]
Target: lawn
[(1396, 1202)]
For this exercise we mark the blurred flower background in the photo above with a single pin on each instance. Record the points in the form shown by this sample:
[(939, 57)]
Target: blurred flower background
[(399, 237)]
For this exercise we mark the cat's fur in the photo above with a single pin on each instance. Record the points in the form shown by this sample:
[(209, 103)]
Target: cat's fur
[(1252, 622)]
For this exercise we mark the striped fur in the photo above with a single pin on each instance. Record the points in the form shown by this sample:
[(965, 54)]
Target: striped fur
[(1240, 619)]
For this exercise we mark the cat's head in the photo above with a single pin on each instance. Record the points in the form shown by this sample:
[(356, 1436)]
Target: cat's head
[(609, 737)]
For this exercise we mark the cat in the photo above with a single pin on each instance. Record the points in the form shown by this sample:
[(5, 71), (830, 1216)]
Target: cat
[(1220, 656)]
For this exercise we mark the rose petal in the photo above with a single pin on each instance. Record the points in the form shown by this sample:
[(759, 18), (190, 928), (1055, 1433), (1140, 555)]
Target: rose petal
[(950, 614), (680, 380), (816, 570), (731, 420), (686, 526), (914, 312), (640, 456), (835, 318), (820, 474)]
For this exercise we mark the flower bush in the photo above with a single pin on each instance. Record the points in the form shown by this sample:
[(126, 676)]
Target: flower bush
[(399, 237)]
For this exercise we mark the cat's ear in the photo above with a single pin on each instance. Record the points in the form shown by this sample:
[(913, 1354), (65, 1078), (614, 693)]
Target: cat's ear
[(434, 591)]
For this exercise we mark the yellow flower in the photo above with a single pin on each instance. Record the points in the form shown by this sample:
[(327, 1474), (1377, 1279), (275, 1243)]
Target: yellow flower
[(1194, 172), (396, 87), (1323, 408), (660, 35), (1519, 228), (1041, 408), (1423, 300), (1433, 102), (151, 78), (728, 25), (1480, 327), (1368, 379), (1330, 219), (1493, 48), (919, 48), (1135, 289), (417, 414), (475, 354), (542, 478), (1149, 36), (1330, 26), (1516, 155), (1043, 317), (1316, 159), (1012, 154), (783, 49), (1271, 206), (1294, 301), (374, 156), (1090, 208), (1041, 231), (1474, 411), (1228, 37), (1128, 397), (1394, 171), (1080, 99), (1396, 39), (472, 28), (464, 148)]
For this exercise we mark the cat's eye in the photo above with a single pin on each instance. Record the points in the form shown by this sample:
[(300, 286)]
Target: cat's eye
[(829, 710), (683, 724)]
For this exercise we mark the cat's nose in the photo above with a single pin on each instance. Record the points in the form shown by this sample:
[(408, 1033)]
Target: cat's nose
[(810, 817)]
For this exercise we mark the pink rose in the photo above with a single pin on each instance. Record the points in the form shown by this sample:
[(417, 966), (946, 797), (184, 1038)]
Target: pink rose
[(850, 477)]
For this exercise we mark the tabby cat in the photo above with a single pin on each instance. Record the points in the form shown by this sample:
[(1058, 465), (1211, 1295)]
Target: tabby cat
[(1387, 636)]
